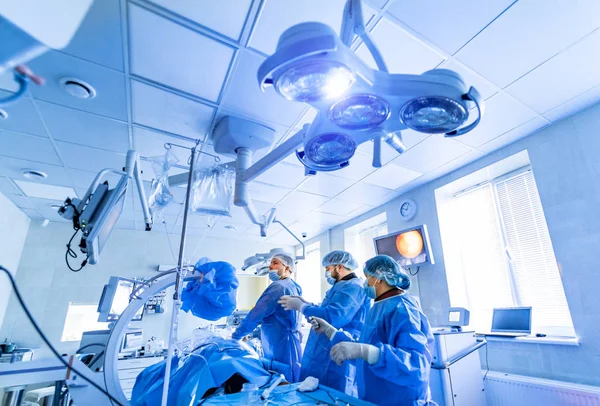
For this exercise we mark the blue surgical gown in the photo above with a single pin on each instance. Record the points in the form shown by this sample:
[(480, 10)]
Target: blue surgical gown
[(398, 327), (345, 306), (280, 331)]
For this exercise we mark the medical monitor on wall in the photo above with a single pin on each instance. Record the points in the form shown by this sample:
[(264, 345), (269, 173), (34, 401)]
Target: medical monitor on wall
[(116, 296), (408, 247)]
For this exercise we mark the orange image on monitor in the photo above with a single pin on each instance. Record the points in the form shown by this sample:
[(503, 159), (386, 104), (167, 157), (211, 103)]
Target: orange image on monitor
[(410, 244)]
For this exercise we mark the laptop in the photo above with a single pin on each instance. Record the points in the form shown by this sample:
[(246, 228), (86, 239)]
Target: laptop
[(511, 322)]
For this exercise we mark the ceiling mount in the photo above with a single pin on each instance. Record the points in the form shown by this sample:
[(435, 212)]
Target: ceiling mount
[(77, 88)]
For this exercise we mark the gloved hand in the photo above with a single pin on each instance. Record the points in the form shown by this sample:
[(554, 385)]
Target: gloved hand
[(348, 350), (301, 298), (292, 303), (322, 327)]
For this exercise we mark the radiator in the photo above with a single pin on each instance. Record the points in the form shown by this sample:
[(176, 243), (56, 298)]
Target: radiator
[(516, 390)]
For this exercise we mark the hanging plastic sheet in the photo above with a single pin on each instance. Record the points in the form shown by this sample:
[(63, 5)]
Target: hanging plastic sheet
[(160, 195), (213, 190), (214, 295)]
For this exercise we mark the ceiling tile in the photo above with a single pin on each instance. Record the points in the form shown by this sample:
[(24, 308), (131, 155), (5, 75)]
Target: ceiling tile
[(360, 166), (432, 153), (561, 78), (307, 118), (148, 172), (158, 45), (45, 191), (305, 200), (277, 16), (225, 17), (166, 111), (454, 164), (87, 129), (150, 144), (325, 185), (21, 201), (124, 224), (391, 176), (526, 35), (471, 78), (515, 134), (360, 211), (323, 219), (311, 229), (284, 175), (57, 175), (33, 214), (7, 188), (21, 146), (416, 57), (245, 96), (89, 159), (267, 193), (106, 49), (195, 220), (574, 105), (110, 99), (84, 179), (448, 25), (410, 138), (8, 82), (289, 214), (502, 114), (22, 117), (282, 238), (227, 229), (338, 206), (365, 194)]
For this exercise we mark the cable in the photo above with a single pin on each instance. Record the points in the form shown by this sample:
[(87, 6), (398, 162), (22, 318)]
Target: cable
[(73, 254), (413, 274), (487, 365), (47, 342)]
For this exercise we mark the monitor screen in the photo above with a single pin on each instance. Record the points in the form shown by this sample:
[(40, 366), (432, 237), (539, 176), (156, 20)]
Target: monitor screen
[(515, 320), (454, 317), (408, 247), (115, 299), (111, 219)]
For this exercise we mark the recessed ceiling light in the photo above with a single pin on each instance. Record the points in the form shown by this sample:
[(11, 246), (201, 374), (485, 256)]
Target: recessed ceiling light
[(34, 174), (230, 227), (44, 191), (3, 114), (78, 88)]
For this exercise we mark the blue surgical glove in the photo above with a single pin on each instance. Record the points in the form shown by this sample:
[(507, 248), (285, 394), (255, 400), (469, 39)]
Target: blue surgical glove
[(348, 351)]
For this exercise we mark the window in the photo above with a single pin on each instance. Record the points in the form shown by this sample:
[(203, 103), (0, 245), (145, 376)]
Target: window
[(80, 318), (358, 239), (308, 274), (505, 256)]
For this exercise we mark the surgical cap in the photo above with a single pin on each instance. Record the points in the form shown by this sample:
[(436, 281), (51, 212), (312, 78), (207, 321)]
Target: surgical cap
[(385, 268), (339, 257), (287, 260)]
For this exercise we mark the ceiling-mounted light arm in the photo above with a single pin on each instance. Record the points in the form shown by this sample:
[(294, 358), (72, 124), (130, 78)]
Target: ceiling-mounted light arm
[(474, 96), (377, 152), (303, 256), (132, 167)]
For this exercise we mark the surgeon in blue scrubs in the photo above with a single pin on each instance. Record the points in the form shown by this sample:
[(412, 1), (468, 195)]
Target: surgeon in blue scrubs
[(345, 306), (393, 354), (280, 331)]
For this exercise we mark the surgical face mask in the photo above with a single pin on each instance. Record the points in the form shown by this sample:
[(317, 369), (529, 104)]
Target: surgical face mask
[(370, 290), (330, 279), (273, 276)]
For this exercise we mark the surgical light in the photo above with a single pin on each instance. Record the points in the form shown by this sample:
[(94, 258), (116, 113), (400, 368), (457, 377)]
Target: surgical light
[(328, 151), (433, 115), (359, 112)]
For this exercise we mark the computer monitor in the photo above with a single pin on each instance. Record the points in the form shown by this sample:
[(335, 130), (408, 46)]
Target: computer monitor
[(512, 320), (408, 247), (116, 296)]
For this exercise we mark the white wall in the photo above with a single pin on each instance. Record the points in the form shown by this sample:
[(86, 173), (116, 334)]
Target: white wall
[(48, 285), (14, 225)]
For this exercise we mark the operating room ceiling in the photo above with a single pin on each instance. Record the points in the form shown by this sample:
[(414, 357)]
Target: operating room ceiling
[(167, 70)]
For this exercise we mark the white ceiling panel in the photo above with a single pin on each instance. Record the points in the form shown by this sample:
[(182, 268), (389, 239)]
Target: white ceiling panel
[(83, 179), (124, 224), (416, 57), (515, 134), (305, 200), (176, 56), (21, 201), (391, 176), (165, 111), (450, 166), (574, 105), (227, 229), (148, 172), (502, 114), (360, 211), (277, 16), (267, 193), (432, 153), (447, 24), (338, 206), (365, 194), (360, 166), (289, 214), (89, 159), (244, 95), (7, 188), (387, 152), (105, 49), (471, 78), (325, 185), (307, 118), (528, 34), (22, 117), (21, 146), (33, 214), (282, 238), (324, 220), (87, 129), (225, 16), (561, 78), (195, 220), (151, 144), (109, 84), (57, 175), (283, 174)]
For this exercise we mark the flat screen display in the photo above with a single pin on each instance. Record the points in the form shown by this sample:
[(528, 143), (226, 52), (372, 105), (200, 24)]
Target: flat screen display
[(454, 317), (513, 320), (408, 247)]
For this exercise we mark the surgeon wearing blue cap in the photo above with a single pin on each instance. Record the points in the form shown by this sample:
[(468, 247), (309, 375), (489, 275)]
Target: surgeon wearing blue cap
[(280, 330), (393, 354), (345, 306)]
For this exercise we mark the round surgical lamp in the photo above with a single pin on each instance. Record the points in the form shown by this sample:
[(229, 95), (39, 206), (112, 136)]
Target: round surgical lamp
[(359, 112), (308, 65), (327, 152)]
